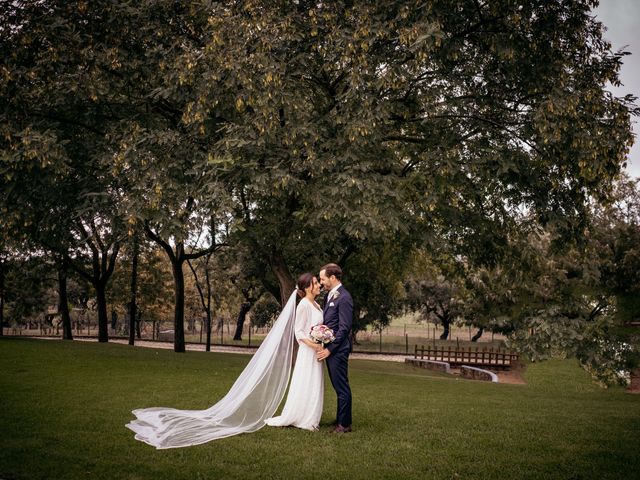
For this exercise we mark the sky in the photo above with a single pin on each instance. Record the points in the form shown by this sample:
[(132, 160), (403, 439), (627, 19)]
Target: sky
[(622, 19)]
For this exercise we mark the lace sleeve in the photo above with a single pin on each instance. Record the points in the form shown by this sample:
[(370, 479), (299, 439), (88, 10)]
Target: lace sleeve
[(302, 320)]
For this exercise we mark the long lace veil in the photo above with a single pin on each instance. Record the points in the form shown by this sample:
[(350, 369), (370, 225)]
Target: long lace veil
[(252, 399)]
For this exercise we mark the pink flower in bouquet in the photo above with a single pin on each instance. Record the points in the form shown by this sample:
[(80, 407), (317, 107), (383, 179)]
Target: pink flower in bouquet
[(322, 334)]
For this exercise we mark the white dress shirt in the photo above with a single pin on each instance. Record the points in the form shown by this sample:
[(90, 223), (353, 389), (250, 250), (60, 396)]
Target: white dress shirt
[(333, 291)]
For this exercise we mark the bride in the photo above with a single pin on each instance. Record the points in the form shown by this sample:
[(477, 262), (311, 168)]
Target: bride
[(260, 388), (303, 407)]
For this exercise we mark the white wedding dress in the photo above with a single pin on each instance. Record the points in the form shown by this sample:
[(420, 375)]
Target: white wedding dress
[(303, 407), (253, 398)]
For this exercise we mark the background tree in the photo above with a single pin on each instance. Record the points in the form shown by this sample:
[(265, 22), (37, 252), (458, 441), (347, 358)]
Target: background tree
[(612, 352), (61, 103), (265, 312), (154, 301), (27, 289), (63, 298), (373, 275), (491, 296), (435, 290)]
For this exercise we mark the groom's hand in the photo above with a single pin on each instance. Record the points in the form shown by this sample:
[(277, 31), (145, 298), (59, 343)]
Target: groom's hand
[(322, 354)]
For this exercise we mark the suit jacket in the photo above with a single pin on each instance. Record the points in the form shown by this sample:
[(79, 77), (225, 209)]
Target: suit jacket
[(338, 316)]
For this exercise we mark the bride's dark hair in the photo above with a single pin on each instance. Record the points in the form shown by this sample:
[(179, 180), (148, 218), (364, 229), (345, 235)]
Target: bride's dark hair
[(304, 281)]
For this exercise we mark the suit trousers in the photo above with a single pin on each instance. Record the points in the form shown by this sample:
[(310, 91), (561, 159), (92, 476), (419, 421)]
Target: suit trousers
[(338, 367)]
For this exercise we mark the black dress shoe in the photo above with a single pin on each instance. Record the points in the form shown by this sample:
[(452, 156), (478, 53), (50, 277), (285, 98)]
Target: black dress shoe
[(341, 429)]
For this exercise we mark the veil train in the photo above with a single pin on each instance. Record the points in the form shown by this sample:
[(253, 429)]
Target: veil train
[(252, 399)]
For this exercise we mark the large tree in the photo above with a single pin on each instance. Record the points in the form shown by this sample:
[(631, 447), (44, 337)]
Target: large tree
[(62, 97), (559, 298), (343, 119), (80, 83)]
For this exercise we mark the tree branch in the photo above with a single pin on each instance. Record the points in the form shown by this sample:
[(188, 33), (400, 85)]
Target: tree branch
[(94, 229), (153, 236), (112, 259), (87, 237), (211, 249), (81, 271), (200, 292)]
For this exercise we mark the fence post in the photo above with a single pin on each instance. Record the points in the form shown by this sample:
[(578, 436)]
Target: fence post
[(249, 334), (406, 343)]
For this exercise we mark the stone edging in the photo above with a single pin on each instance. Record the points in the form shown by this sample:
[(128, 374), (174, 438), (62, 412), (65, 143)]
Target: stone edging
[(475, 373), (430, 364)]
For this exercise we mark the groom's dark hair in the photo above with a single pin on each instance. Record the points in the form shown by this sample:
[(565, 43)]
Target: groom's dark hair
[(332, 269)]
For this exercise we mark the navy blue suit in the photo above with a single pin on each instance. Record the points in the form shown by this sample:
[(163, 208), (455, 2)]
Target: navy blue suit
[(338, 316)]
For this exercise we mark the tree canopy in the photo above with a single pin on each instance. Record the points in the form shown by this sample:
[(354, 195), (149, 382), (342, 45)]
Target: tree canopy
[(297, 133)]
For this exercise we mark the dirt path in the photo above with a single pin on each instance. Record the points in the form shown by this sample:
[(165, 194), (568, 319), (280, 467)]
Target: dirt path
[(512, 377), (240, 350)]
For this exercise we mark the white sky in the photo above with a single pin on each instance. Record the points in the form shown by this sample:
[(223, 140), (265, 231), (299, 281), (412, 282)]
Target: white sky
[(622, 19)]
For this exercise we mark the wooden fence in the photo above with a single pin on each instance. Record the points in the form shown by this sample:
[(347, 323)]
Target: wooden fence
[(496, 358)]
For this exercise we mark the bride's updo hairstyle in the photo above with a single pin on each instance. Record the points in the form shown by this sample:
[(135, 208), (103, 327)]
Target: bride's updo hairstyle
[(304, 281)]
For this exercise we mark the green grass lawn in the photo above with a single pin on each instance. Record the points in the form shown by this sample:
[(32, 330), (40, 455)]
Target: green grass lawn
[(63, 407)]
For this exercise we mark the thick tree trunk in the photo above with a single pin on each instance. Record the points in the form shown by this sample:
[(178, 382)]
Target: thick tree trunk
[(138, 323), (1, 299), (478, 334), (208, 347), (63, 302), (178, 322), (242, 316), (445, 324), (103, 321), (103, 265), (133, 291), (282, 273), (208, 310), (178, 257)]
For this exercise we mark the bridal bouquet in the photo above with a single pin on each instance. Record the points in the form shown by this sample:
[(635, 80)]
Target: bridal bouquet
[(322, 334)]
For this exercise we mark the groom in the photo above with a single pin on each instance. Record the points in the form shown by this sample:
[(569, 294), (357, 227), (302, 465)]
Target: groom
[(338, 316)]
